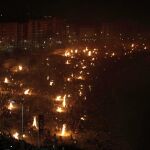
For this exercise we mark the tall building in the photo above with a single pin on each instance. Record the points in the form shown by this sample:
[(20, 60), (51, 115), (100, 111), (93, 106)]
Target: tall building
[(32, 33), (8, 35), (38, 29), (8, 30), (71, 34), (88, 34)]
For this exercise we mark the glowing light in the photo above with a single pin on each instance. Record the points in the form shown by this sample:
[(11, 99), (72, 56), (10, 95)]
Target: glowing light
[(84, 67), (11, 106), (81, 72), (6, 80), (63, 130), (71, 51), (59, 110), (51, 83), (47, 77), (69, 95), (20, 68), (77, 65), (81, 86), (16, 135), (64, 101), (72, 75), (84, 51), (86, 48), (67, 54), (68, 79), (96, 53), (76, 51), (80, 78), (24, 136), (132, 45), (80, 93), (67, 62), (82, 118), (113, 54), (34, 124), (85, 98), (58, 98), (93, 59), (27, 92), (89, 53)]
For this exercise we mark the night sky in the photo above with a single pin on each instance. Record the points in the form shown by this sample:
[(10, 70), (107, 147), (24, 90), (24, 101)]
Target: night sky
[(78, 9)]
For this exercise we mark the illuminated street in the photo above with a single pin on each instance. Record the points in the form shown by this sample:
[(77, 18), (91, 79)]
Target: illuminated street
[(57, 87)]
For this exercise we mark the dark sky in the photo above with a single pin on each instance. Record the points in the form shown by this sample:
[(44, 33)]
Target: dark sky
[(78, 9)]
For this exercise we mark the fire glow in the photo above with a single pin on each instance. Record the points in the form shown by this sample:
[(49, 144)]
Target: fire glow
[(27, 92), (35, 124), (11, 106), (64, 132), (16, 135), (6, 80)]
